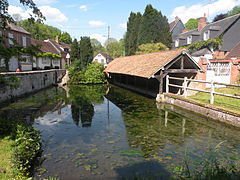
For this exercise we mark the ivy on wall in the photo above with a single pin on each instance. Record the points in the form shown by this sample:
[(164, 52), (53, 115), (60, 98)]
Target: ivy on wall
[(215, 43)]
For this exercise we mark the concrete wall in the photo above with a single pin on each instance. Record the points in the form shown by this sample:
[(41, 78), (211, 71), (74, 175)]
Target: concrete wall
[(200, 108), (30, 82)]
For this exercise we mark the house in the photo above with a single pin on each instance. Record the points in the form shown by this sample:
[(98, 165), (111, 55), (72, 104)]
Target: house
[(62, 49), (216, 61), (103, 58), (176, 27), (46, 62), (147, 73), (14, 36)]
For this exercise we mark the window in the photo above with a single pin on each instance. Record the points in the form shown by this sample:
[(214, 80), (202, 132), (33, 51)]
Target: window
[(55, 61), (24, 41), (206, 35), (45, 60), (102, 60), (10, 38), (189, 40), (177, 43)]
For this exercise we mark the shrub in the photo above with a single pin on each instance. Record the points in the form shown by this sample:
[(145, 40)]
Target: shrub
[(27, 149), (93, 74)]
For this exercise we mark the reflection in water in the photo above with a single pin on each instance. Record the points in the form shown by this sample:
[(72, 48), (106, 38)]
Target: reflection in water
[(128, 135)]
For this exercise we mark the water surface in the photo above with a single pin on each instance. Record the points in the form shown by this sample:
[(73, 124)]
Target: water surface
[(101, 132)]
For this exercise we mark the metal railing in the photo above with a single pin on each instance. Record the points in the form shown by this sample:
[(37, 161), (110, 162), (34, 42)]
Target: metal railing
[(211, 92)]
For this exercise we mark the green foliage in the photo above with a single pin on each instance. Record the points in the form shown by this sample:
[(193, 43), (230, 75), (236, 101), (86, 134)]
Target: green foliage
[(154, 28), (116, 49), (234, 11), (36, 13), (86, 52), (93, 74), (48, 54), (11, 81), (65, 38), (97, 47), (215, 43), (151, 47), (27, 149), (192, 24), (131, 38)]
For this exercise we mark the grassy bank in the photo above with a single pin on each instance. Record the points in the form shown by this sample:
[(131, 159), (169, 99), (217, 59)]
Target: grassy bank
[(221, 101), (6, 166)]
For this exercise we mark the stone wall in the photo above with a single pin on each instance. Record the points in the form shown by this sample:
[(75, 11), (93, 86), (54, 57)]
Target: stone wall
[(201, 108), (30, 82)]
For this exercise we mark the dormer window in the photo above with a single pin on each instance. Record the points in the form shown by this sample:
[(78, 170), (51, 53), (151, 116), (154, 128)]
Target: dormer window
[(206, 35), (189, 40), (177, 43)]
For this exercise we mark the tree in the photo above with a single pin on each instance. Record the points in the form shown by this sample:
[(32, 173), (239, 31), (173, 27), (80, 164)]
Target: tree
[(151, 47), (75, 51), (116, 49), (219, 17), (86, 52), (192, 24), (234, 11), (108, 41), (4, 15), (97, 47), (131, 38), (154, 28), (40, 31), (65, 38)]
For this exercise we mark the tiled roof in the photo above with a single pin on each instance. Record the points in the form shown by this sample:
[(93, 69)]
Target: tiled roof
[(171, 25), (44, 46), (144, 65), (235, 52), (14, 27)]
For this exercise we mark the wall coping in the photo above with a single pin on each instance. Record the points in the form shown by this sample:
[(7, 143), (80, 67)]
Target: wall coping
[(31, 72)]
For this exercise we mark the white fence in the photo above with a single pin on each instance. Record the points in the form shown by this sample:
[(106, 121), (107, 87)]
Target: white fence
[(212, 92)]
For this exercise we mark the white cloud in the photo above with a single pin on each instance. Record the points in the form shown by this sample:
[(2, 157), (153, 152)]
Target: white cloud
[(123, 26), (96, 23), (83, 7), (53, 14), (198, 10), (99, 37), (45, 2)]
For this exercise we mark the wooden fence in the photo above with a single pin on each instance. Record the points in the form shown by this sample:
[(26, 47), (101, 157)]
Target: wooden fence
[(211, 92)]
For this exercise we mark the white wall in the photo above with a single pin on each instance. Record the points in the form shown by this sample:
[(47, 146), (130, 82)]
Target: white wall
[(100, 59), (13, 64)]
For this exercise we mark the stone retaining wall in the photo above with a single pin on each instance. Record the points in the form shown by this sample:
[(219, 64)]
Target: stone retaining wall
[(204, 109), (30, 82)]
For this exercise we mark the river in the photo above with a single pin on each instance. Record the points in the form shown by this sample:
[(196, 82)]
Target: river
[(105, 132)]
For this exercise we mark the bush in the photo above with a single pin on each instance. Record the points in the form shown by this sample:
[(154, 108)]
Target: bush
[(93, 74), (27, 149)]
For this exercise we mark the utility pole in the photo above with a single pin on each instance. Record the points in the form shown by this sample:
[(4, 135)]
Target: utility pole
[(108, 43)]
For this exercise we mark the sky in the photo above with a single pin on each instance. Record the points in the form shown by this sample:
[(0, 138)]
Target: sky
[(92, 17)]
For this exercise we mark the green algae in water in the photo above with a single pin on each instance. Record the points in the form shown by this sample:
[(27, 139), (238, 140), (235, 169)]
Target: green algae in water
[(132, 153)]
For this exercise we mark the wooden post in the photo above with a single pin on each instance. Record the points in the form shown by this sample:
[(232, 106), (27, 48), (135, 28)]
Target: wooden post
[(185, 87), (166, 118), (161, 82), (212, 93), (167, 84)]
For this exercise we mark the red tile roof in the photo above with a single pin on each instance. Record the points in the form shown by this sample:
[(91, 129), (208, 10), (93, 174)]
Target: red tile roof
[(144, 65), (44, 46), (17, 28)]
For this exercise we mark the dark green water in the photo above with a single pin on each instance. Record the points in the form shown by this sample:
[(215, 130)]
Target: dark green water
[(100, 132)]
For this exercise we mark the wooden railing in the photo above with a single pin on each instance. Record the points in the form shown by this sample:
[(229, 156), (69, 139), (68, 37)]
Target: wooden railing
[(211, 92)]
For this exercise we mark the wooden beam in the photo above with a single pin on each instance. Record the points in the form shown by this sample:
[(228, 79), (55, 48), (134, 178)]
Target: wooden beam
[(161, 83), (174, 61), (181, 71), (182, 62)]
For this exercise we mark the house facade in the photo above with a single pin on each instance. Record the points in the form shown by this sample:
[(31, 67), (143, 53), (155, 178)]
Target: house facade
[(46, 62), (176, 28), (103, 58), (16, 36)]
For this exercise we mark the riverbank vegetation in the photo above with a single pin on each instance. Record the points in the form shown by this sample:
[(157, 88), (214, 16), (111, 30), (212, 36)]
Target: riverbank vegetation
[(20, 149)]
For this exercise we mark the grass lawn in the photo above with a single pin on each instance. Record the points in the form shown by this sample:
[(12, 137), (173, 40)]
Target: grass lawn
[(6, 171), (225, 102)]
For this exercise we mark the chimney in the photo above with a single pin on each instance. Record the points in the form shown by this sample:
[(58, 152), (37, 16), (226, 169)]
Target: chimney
[(185, 30), (202, 22), (57, 39), (176, 19)]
